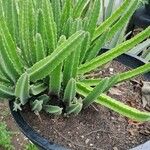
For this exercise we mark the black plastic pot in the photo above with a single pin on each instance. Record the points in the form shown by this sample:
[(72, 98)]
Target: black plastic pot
[(140, 19), (147, 6), (44, 144)]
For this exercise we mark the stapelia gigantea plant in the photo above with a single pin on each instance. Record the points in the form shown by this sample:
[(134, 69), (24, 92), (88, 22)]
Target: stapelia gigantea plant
[(46, 47)]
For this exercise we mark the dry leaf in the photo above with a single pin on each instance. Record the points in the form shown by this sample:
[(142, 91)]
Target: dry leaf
[(115, 91), (146, 94), (134, 123)]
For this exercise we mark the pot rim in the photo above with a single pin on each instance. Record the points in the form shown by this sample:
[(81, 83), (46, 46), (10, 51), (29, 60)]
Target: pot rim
[(126, 59)]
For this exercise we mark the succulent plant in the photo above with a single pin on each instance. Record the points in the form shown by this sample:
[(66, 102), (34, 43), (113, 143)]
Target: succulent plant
[(47, 46)]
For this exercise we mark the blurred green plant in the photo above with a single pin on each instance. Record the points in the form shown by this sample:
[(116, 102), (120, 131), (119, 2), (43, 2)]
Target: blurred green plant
[(30, 146), (5, 137)]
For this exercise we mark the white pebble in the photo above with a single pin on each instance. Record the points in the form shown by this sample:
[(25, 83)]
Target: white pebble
[(111, 70), (82, 137), (87, 141)]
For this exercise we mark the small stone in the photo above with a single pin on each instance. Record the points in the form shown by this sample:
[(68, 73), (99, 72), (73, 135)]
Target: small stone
[(69, 145), (25, 138), (91, 144), (111, 70), (115, 148), (112, 118), (87, 141), (82, 136)]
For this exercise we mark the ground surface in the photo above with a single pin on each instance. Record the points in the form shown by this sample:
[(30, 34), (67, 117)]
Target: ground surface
[(98, 128), (18, 140)]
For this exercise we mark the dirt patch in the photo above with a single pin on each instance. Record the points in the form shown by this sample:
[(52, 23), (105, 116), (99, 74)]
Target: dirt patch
[(97, 127)]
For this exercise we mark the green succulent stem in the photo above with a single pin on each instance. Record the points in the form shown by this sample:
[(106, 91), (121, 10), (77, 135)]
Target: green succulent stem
[(106, 24), (134, 72), (44, 67), (115, 105), (113, 53), (121, 76)]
